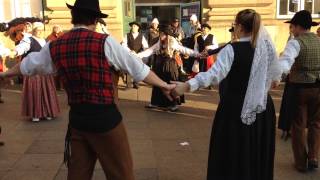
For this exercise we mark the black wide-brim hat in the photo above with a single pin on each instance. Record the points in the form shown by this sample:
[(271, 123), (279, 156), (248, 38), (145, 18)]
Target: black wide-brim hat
[(206, 25), (91, 7), (135, 23), (166, 30), (303, 18)]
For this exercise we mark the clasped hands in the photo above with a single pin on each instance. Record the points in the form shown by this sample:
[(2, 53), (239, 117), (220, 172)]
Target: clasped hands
[(175, 89)]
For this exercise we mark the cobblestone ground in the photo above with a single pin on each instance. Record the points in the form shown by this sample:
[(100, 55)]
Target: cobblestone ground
[(34, 151)]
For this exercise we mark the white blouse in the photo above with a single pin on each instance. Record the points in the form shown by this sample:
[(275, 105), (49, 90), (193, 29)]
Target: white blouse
[(24, 45)]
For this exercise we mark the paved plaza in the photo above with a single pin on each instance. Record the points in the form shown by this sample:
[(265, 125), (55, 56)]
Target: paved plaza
[(34, 151)]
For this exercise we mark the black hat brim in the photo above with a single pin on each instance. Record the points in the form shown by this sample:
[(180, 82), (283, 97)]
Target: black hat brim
[(97, 14), (312, 23), (135, 23), (206, 27)]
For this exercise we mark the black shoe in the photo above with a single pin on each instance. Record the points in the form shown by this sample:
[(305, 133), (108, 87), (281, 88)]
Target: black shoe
[(135, 86), (301, 169), (313, 164)]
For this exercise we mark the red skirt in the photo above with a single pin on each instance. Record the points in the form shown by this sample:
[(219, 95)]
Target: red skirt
[(39, 97)]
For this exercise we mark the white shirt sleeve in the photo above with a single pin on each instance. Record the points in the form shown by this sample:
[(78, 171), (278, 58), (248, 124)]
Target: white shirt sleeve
[(23, 47), (124, 43), (217, 72), (144, 43), (38, 62), (289, 55), (196, 46), (184, 50), (123, 60), (150, 51)]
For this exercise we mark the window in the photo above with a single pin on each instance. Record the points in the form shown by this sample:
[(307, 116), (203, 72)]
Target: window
[(21, 8), (287, 8)]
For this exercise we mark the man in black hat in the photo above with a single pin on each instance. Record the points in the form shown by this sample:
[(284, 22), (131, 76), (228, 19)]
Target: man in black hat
[(302, 58), (176, 29), (134, 42), (205, 42), (84, 59)]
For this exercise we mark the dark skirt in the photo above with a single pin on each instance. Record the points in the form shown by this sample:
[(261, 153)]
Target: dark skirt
[(238, 151), (286, 110), (167, 70)]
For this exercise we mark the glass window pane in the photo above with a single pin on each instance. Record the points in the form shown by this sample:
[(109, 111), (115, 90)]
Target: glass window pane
[(308, 5), (294, 6), (283, 7)]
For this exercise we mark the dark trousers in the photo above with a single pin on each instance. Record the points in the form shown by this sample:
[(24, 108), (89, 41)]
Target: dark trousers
[(110, 148), (307, 115)]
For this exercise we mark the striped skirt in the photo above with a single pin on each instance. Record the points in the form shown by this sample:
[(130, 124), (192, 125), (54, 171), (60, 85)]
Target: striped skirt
[(39, 97)]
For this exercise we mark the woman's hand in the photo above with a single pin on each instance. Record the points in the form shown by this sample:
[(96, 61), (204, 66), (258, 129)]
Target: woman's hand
[(180, 89)]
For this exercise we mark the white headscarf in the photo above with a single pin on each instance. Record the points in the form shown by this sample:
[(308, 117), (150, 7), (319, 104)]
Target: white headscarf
[(265, 68)]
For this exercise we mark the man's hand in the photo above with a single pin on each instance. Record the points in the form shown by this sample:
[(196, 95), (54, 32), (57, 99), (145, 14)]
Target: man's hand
[(166, 89), (180, 89)]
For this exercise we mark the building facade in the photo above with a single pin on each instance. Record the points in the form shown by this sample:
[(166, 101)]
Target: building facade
[(220, 14)]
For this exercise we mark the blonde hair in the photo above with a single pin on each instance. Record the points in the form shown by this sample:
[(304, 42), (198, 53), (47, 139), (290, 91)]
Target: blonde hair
[(250, 21)]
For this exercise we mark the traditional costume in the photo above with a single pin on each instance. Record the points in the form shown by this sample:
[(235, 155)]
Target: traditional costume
[(242, 143), (166, 68), (134, 42), (39, 98), (205, 42), (301, 58), (84, 59)]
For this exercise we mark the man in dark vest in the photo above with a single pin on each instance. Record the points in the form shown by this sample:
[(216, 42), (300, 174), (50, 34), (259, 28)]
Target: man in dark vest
[(205, 42), (302, 58), (134, 42), (84, 58)]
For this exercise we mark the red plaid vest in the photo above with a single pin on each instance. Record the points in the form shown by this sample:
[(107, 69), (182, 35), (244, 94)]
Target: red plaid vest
[(81, 62)]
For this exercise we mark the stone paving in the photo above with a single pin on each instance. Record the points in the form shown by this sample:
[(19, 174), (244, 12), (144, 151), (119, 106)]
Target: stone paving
[(34, 151)]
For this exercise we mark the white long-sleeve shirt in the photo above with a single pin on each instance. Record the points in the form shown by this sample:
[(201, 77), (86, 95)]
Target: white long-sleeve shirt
[(124, 43), (176, 46), (24, 45), (220, 69), (117, 56), (214, 45), (289, 55)]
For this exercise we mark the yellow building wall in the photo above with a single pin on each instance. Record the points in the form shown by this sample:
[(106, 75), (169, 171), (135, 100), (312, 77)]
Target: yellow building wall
[(220, 15), (61, 15)]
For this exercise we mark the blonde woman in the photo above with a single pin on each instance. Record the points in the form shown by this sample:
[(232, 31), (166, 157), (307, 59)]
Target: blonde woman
[(243, 136)]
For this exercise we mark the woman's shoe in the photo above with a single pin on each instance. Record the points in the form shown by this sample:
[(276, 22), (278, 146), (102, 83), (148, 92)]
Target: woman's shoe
[(312, 164), (151, 106), (35, 119), (173, 108)]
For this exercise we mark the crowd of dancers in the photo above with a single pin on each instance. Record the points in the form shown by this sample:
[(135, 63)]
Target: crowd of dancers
[(87, 63)]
